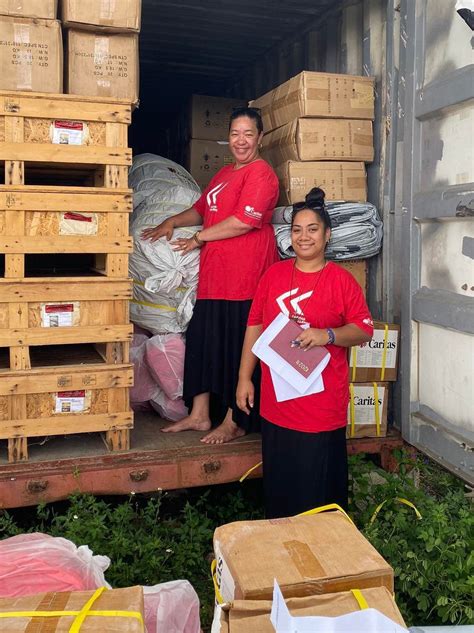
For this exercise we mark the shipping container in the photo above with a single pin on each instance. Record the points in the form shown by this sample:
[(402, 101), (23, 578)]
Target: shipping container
[(421, 180)]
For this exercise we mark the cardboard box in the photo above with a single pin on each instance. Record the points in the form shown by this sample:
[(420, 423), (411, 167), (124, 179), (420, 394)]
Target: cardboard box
[(31, 55), (312, 94), (45, 9), (320, 139), (102, 65), (307, 555), (377, 359), (205, 158), (358, 269), (367, 401), (130, 599), (102, 15), (208, 117), (340, 181), (253, 616)]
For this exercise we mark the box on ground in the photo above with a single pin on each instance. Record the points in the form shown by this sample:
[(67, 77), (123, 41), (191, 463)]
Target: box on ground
[(358, 269), (205, 158), (307, 555), (116, 601), (46, 9), (320, 139), (377, 359), (31, 55), (367, 409), (313, 94), (208, 117), (104, 15), (102, 65), (340, 181), (253, 616)]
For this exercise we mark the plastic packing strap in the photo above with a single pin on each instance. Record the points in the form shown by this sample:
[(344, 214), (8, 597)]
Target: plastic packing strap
[(352, 409), (361, 601), (249, 471), (354, 362), (376, 409), (21, 36), (400, 500), (326, 508), (384, 353), (219, 598)]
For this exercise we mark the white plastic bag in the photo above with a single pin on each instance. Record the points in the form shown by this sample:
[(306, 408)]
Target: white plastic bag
[(144, 385), (164, 355), (168, 409), (172, 607)]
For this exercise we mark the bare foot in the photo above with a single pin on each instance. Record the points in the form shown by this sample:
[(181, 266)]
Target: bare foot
[(187, 424), (225, 432)]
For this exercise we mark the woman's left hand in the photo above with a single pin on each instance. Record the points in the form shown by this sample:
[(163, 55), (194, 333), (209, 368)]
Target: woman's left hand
[(184, 245), (312, 337)]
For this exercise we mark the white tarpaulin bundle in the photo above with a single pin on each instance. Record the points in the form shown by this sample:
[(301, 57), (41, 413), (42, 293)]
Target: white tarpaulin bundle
[(164, 281), (356, 230)]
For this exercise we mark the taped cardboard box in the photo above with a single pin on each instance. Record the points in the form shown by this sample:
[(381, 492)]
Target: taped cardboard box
[(253, 616), (367, 409), (312, 94), (358, 269), (45, 9), (102, 65), (31, 55), (307, 555), (102, 15), (377, 359), (208, 117), (126, 606), (320, 139), (205, 158), (340, 181)]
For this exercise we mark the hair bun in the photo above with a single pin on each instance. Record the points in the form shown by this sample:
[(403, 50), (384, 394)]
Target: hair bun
[(315, 198)]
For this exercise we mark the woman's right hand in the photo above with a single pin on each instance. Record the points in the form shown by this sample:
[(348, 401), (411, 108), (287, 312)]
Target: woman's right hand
[(166, 229), (245, 395)]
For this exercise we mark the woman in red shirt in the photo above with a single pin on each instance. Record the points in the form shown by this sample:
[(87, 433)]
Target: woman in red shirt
[(237, 246), (303, 439)]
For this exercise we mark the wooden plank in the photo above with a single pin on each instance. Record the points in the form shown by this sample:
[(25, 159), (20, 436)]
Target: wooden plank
[(14, 172), (18, 317), (65, 244), (77, 155), (116, 266), (65, 335), (86, 199), (62, 289)]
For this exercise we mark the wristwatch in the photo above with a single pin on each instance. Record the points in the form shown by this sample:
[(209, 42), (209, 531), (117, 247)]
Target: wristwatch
[(331, 335)]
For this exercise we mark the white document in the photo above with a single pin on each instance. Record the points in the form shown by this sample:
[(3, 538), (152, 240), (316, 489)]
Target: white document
[(284, 391), (364, 621)]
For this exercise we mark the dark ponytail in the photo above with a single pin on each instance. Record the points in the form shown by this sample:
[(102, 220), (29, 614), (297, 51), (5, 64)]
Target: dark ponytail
[(314, 201)]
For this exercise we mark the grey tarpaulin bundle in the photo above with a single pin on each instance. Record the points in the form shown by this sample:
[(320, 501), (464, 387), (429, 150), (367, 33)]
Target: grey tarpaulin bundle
[(356, 230)]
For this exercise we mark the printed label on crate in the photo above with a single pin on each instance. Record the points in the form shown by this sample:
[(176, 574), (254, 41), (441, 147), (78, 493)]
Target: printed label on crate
[(68, 132), (72, 223), (72, 401), (364, 404), (224, 579), (60, 314), (371, 354)]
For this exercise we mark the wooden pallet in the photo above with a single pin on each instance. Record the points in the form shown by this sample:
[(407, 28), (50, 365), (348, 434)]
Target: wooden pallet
[(40, 220), (29, 155), (38, 403)]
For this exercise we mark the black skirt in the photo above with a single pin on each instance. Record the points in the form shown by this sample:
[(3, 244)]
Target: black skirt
[(302, 471), (214, 341)]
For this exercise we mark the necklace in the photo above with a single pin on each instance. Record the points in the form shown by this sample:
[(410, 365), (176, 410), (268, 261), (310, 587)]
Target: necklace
[(299, 316)]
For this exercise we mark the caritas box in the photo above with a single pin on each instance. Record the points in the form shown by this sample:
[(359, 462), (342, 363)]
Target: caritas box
[(320, 139), (367, 409), (307, 555), (358, 269), (208, 117), (205, 158), (377, 359), (102, 15), (31, 55), (102, 65), (341, 181), (45, 9), (312, 94), (253, 616)]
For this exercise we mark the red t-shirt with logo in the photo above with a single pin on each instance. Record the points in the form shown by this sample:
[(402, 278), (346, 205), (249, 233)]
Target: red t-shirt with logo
[(230, 269), (335, 299)]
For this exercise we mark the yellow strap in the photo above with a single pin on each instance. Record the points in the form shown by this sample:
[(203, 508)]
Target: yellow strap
[(219, 597), (354, 362), (361, 601), (400, 500), (377, 409), (158, 306), (250, 470), (352, 410), (384, 353), (330, 506), (59, 614), (84, 612)]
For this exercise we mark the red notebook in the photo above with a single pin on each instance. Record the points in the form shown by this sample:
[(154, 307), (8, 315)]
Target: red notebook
[(304, 362)]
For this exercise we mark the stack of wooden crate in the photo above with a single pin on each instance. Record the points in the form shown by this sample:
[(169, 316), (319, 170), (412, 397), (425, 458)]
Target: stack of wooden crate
[(64, 287)]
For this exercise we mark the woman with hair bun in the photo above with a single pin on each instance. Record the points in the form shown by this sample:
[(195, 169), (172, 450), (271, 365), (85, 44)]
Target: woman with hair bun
[(304, 438)]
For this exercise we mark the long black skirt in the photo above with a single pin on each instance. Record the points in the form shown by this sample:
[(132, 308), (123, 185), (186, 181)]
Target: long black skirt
[(214, 341), (302, 471)]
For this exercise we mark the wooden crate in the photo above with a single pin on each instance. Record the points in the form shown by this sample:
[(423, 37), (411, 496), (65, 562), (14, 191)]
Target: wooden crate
[(39, 220), (62, 400), (27, 130)]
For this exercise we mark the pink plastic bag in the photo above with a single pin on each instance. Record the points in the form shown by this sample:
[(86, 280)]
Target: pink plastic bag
[(144, 386), (165, 358), (169, 409), (172, 607), (36, 563)]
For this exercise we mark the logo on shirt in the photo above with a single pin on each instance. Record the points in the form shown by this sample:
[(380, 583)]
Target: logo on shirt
[(293, 303), (211, 196), (251, 213)]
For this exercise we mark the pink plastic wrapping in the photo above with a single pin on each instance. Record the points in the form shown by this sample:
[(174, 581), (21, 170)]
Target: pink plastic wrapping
[(144, 387), (169, 409), (172, 607), (36, 563), (165, 358)]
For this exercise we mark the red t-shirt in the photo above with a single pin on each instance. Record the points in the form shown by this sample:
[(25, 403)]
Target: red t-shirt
[(336, 299), (230, 269)]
